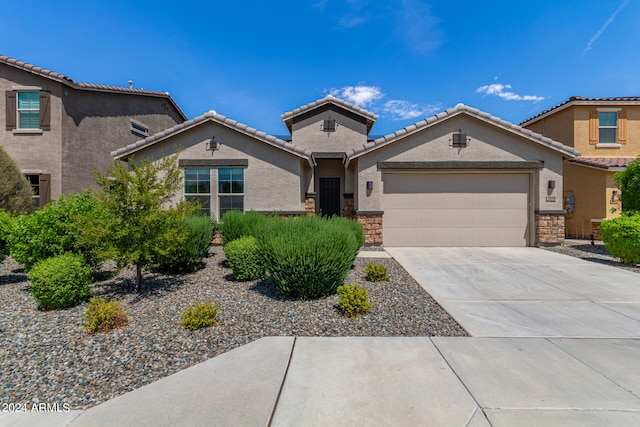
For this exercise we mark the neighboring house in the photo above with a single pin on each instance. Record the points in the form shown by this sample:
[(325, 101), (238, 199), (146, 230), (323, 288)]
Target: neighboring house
[(460, 178), (58, 130), (607, 133)]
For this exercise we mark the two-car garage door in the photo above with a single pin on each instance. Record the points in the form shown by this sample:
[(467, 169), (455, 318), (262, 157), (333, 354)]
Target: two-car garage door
[(455, 209)]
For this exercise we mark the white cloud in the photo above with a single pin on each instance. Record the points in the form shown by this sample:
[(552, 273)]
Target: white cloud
[(502, 91), (604, 27), (371, 98), (359, 95), (404, 110)]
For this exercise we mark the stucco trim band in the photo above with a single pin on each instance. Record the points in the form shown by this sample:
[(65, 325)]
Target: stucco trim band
[(213, 162), (460, 165)]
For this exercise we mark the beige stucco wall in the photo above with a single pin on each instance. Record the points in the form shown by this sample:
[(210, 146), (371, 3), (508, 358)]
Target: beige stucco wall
[(559, 127), (33, 152), (488, 143), (272, 178), (349, 133)]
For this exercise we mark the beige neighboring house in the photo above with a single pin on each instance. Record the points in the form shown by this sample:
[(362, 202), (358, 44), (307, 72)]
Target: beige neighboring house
[(607, 133), (57, 130), (459, 178)]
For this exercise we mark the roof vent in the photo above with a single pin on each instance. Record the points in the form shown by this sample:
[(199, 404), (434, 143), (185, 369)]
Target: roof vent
[(329, 125), (459, 140)]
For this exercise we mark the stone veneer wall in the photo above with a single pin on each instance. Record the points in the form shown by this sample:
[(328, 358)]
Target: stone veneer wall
[(348, 206), (310, 203), (549, 228), (372, 224)]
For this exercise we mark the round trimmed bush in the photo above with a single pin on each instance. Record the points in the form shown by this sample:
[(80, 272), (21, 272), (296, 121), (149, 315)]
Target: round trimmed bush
[(244, 259), (621, 237), (61, 282), (308, 257)]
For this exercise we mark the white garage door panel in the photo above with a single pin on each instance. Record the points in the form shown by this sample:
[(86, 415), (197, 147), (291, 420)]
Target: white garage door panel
[(465, 209)]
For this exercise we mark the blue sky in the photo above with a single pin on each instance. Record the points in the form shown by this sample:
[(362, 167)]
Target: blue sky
[(402, 59)]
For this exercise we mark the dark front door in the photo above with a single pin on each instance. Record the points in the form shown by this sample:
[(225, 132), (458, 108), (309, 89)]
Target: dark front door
[(329, 196)]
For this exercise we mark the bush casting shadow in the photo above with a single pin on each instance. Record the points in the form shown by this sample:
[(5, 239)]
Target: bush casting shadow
[(268, 289)]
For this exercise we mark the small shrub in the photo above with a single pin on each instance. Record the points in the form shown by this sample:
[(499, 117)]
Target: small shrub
[(376, 272), (187, 257), (244, 259), (308, 257), (236, 224), (103, 315), (621, 237), (6, 223), (201, 315), (61, 281), (353, 300), (55, 230)]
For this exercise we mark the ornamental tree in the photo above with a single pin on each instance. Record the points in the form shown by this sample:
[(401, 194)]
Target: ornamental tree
[(15, 191), (142, 224)]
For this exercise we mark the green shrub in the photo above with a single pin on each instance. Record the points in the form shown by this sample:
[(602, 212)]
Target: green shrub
[(187, 257), (244, 259), (61, 281), (103, 315), (16, 195), (55, 230), (621, 237), (353, 300), (628, 180), (376, 272), (201, 315), (307, 257), (236, 224), (6, 224)]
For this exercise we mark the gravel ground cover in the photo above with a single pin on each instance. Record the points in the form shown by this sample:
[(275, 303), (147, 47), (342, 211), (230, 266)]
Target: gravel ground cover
[(596, 253), (45, 356)]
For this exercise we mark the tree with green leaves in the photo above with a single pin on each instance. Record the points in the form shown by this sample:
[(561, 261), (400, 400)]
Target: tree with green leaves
[(142, 224), (15, 191), (628, 181)]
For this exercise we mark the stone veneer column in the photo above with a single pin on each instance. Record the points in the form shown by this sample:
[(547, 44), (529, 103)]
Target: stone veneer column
[(310, 203), (348, 205), (372, 223), (550, 228)]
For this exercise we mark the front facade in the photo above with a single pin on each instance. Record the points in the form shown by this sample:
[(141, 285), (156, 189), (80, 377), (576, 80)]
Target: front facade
[(607, 133), (460, 178), (58, 130)]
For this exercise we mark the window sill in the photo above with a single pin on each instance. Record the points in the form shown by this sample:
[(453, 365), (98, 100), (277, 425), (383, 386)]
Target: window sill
[(608, 145), (27, 132)]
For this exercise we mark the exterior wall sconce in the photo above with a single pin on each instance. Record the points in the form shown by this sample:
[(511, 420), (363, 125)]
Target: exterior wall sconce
[(551, 185), (615, 197), (369, 185), (213, 145)]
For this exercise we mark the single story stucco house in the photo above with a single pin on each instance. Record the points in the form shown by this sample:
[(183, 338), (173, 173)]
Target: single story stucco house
[(459, 178)]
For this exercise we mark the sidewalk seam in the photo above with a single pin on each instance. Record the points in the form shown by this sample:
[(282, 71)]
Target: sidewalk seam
[(284, 378)]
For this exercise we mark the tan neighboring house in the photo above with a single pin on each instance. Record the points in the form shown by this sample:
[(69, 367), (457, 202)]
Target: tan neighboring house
[(57, 130), (460, 178), (607, 133)]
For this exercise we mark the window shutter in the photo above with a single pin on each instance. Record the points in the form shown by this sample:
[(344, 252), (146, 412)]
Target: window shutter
[(11, 109), (622, 127), (593, 127), (45, 111), (45, 189)]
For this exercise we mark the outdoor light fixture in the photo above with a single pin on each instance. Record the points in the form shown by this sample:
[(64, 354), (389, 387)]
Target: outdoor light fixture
[(551, 185), (369, 185), (213, 145), (615, 197)]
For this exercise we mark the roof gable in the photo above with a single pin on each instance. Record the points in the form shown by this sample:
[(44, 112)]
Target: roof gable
[(579, 100), (61, 78), (212, 116), (455, 111), (320, 105)]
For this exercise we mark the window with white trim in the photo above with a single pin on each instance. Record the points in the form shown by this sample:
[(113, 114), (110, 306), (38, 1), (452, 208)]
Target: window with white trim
[(607, 127), (28, 110), (197, 187), (139, 129), (230, 190)]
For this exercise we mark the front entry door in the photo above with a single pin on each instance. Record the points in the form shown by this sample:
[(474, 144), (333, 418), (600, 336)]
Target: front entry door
[(329, 196)]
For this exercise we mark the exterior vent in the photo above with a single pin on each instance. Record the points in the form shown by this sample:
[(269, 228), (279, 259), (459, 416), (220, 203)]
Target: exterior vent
[(139, 129), (460, 140), (329, 125)]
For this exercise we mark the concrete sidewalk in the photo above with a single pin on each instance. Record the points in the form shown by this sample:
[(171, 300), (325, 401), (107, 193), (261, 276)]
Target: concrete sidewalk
[(283, 381)]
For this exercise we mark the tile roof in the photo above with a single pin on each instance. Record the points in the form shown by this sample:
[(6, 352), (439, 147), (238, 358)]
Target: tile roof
[(580, 100), (459, 109), (604, 163), (123, 153), (330, 99), (84, 86)]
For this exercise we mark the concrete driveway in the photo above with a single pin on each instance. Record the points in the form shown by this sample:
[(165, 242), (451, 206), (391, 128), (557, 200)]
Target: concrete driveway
[(527, 292)]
